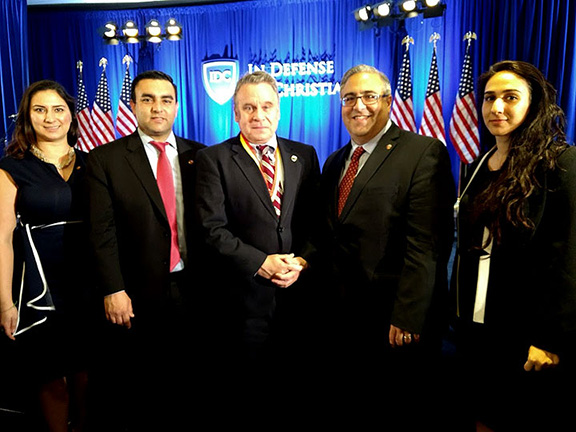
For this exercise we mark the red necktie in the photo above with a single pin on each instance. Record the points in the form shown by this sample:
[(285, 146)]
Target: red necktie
[(166, 186), (348, 179), (268, 171)]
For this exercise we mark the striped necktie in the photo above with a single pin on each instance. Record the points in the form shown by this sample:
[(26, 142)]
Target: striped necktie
[(267, 166), (348, 179)]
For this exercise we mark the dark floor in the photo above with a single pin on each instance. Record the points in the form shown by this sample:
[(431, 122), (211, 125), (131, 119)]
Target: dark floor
[(17, 416)]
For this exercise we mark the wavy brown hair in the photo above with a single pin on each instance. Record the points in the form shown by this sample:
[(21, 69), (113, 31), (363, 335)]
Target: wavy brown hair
[(534, 149), (24, 134)]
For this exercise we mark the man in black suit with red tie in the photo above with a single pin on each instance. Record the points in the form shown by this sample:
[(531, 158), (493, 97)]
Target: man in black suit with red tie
[(255, 195), (387, 211), (140, 195)]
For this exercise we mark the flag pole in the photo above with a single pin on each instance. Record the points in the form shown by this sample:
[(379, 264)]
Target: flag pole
[(468, 37)]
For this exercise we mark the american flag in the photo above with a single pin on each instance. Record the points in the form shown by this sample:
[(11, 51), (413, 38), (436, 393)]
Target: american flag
[(102, 120), (432, 120), (125, 119), (464, 122), (402, 108), (85, 139)]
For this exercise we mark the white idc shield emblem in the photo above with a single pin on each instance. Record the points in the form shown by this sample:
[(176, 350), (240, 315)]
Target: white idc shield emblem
[(219, 78)]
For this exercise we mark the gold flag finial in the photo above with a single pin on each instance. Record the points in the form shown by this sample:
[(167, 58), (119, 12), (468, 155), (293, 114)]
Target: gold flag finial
[(434, 37), (407, 41), (103, 62)]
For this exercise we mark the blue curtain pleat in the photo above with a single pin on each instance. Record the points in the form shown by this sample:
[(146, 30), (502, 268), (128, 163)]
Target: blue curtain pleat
[(13, 62)]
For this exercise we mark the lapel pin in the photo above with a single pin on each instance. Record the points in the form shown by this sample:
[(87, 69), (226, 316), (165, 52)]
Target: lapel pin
[(190, 162), (389, 146), (294, 158)]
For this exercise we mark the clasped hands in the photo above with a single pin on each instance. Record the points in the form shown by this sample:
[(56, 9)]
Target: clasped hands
[(282, 269)]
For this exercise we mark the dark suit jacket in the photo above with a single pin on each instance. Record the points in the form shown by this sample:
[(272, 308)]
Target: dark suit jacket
[(130, 234), (389, 248), (532, 284), (240, 226)]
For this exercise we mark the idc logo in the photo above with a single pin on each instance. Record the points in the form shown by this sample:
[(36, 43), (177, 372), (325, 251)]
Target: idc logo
[(219, 78)]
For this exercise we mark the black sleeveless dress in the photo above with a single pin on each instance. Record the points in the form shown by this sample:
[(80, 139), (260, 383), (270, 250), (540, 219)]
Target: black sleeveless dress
[(52, 282)]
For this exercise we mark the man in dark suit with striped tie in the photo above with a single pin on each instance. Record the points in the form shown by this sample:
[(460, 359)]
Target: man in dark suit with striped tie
[(254, 196)]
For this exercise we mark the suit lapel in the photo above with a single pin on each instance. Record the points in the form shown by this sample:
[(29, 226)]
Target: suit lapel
[(383, 149), (292, 172), (186, 163), (252, 173), (138, 161)]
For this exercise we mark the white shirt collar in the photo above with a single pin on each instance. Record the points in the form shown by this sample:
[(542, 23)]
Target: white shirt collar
[(371, 145), (146, 139), (272, 143)]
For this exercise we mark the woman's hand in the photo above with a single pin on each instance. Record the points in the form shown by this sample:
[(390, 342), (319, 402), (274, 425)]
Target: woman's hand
[(539, 359), (8, 320)]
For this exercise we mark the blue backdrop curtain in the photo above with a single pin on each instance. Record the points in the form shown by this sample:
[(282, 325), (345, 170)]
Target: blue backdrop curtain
[(287, 31), (13, 62)]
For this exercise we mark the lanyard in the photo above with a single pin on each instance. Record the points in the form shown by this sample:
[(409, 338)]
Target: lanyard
[(278, 167)]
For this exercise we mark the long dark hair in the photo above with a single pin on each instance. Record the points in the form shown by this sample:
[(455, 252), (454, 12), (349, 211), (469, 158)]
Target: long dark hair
[(24, 134), (534, 148)]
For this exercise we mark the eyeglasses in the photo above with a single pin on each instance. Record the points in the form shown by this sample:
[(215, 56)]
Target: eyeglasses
[(367, 99)]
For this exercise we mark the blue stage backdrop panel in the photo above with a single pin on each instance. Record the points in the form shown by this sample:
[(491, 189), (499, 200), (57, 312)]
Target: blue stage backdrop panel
[(222, 40)]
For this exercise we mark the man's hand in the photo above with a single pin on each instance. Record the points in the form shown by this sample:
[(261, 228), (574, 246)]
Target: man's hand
[(398, 337), (118, 307), (282, 269), (539, 359)]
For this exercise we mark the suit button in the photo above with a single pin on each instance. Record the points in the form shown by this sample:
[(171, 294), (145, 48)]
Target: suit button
[(280, 229)]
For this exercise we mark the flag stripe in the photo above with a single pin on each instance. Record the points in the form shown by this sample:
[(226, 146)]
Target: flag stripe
[(464, 122), (125, 119), (432, 117), (102, 120), (85, 138), (402, 108)]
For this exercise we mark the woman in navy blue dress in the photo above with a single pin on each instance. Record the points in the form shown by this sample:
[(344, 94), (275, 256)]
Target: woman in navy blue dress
[(44, 280)]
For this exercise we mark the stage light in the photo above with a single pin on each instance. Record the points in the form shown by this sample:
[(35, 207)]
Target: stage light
[(363, 14), (153, 28), (434, 9), (110, 30), (130, 30), (388, 12), (129, 33), (382, 10), (173, 29), (408, 5), (153, 31), (109, 33)]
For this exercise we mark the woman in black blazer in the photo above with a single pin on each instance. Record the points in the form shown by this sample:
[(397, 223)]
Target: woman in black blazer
[(514, 277)]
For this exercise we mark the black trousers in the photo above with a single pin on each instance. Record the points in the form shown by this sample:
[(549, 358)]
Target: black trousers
[(148, 376)]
